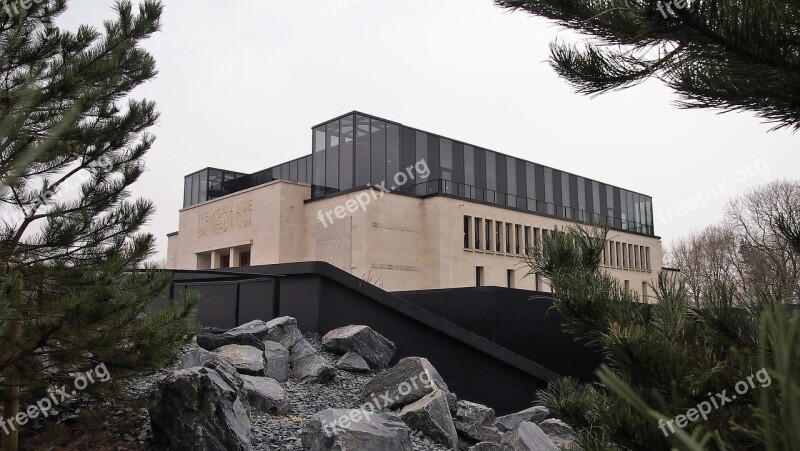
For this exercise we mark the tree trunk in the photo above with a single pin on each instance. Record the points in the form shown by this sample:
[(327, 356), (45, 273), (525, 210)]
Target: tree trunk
[(11, 391)]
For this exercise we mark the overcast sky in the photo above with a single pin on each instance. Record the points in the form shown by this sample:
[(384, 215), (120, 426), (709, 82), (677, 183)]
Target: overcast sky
[(241, 83)]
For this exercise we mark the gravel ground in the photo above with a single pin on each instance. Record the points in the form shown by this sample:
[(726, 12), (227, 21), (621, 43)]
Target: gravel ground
[(283, 432)]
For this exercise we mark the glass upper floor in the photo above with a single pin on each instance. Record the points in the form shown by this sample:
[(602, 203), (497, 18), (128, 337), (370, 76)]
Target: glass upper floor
[(357, 150)]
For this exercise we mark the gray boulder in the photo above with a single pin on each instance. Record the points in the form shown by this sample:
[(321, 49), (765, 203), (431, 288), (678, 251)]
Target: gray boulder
[(527, 437), (344, 429), (246, 359), (476, 422), (258, 328), (485, 446), (431, 416), (376, 349), (560, 433), (276, 358), (352, 362), (196, 357), (210, 342), (408, 381), (284, 331), (308, 366), (534, 414), (200, 408), (265, 395)]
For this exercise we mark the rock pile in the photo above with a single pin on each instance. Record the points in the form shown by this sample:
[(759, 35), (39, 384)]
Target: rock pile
[(265, 384)]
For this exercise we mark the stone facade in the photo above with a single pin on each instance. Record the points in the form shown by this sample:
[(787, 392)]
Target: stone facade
[(395, 241)]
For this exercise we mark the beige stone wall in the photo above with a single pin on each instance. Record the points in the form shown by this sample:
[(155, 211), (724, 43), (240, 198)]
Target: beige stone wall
[(397, 242)]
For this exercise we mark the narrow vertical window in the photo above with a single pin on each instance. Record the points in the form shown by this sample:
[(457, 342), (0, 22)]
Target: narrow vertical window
[(488, 235), (527, 238), (479, 276), (509, 235), (510, 278), (498, 243), (477, 233), (466, 232)]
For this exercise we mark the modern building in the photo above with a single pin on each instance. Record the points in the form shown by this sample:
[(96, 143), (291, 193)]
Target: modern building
[(406, 209)]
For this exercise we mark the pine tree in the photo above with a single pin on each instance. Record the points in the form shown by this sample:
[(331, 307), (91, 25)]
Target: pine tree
[(725, 54), (75, 288), (663, 360)]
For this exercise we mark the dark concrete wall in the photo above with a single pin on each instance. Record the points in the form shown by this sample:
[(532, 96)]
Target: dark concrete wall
[(322, 298), (521, 321)]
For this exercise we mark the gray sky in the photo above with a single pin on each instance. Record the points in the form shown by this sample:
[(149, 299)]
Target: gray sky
[(240, 87)]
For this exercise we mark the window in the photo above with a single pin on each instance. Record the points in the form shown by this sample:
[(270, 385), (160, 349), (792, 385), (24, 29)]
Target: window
[(422, 154), (635, 257), (518, 239), (510, 278), (538, 282), (647, 257), (346, 153), (491, 171), (548, 191), (644, 292), (469, 166), (479, 276), (477, 233), (362, 153), (488, 235), (527, 239), (627, 285), (611, 249), (625, 255), (378, 148), (466, 232), (244, 259), (498, 229), (224, 261), (509, 235), (331, 157), (392, 151)]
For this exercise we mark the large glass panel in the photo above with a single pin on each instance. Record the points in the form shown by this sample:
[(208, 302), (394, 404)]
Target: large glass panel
[(548, 190), (203, 186), (392, 152), (582, 198), (491, 171), (469, 165), (362, 151), (530, 175), (332, 162), (301, 170), (566, 199), (346, 142), (378, 152), (293, 170), (319, 138), (629, 195), (446, 164), (285, 171), (187, 191), (195, 188), (610, 201), (422, 154), (511, 175), (596, 201), (318, 170)]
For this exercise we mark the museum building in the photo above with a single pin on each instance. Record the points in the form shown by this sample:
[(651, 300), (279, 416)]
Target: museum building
[(405, 209)]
